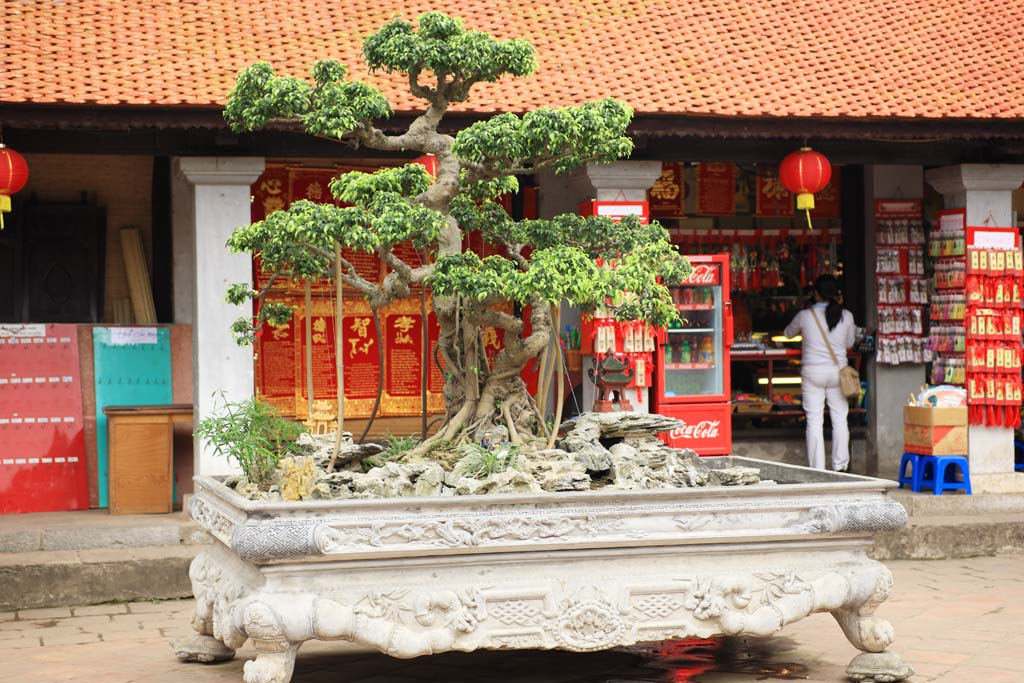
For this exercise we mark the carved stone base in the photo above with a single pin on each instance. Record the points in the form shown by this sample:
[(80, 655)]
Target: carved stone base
[(411, 610), (578, 572), (883, 667), (202, 649)]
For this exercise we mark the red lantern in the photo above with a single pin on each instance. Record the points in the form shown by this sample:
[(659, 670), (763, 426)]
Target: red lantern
[(13, 176), (803, 173)]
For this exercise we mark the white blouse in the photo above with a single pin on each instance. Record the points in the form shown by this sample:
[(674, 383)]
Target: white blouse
[(815, 353)]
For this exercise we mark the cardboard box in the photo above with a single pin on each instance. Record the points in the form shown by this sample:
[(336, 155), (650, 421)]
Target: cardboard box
[(935, 431)]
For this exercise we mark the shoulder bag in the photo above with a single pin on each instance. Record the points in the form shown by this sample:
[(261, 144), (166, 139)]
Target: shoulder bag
[(849, 378)]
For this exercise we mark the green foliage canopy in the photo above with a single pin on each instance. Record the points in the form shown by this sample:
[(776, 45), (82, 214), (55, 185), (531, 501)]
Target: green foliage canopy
[(543, 260)]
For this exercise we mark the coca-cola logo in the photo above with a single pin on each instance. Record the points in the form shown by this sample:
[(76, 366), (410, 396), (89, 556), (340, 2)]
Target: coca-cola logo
[(704, 274), (705, 429)]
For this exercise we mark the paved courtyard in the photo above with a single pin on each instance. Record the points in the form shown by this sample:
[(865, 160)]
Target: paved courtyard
[(956, 620)]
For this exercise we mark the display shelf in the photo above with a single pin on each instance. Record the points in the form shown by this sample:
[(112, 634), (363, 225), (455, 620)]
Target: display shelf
[(689, 366), (693, 330), (695, 307)]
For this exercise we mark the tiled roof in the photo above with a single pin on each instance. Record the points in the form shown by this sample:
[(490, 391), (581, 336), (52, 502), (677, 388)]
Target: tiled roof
[(813, 58)]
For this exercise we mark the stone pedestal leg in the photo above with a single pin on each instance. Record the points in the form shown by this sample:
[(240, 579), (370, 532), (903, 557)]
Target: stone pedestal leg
[(872, 635), (202, 648), (274, 663)]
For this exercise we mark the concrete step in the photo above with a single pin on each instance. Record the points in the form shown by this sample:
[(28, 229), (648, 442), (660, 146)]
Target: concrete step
[(50, 578), (957, 504), (90, 529), (937, 537), (91, 557)]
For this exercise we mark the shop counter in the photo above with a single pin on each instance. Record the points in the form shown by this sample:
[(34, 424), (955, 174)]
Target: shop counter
[(770, 358)]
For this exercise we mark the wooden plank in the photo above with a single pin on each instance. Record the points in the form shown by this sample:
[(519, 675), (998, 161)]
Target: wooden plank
[(138, 276)]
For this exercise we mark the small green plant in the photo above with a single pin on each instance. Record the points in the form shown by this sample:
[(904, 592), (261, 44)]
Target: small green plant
[(478, 462), (254, 435), (397, 445)]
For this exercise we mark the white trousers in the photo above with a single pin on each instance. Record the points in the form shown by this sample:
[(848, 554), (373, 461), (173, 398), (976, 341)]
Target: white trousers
[(821, 384)]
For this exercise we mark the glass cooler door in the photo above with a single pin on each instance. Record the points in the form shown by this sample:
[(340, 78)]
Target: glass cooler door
[(693, 356)]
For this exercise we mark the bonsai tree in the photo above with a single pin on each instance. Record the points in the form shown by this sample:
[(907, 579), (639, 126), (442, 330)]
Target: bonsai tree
[(543, 262)]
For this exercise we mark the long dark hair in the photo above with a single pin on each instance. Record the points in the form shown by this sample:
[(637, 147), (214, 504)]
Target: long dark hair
[(827, 288)]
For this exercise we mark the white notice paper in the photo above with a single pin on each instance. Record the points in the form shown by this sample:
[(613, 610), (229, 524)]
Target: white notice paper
[(123, 336)]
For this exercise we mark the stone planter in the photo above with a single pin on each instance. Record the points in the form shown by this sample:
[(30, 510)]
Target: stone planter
[(576, 571)]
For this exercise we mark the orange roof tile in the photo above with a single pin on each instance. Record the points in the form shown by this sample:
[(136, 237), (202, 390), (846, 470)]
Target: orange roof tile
[(814, 58)]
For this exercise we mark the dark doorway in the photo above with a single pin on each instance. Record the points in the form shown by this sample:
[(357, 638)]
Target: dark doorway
[(51, 264)]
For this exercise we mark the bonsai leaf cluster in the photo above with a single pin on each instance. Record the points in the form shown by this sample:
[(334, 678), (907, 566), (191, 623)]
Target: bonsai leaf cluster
[(254, 435), (540, 262)]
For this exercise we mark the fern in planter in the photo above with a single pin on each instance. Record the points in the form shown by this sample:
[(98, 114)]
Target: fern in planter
[(478, 462), (254, 435)]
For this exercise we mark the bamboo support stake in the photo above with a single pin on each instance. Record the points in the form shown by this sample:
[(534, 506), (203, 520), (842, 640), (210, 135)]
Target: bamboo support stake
[(560, 370), (425, 364), (339, 354), (309, 349)]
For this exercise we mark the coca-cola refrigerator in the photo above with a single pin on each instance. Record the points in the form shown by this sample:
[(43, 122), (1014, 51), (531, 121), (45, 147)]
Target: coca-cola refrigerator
[(692, 360)]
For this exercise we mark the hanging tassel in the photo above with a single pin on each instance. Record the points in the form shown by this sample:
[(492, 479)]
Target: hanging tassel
[(805, 202), (5, 206)]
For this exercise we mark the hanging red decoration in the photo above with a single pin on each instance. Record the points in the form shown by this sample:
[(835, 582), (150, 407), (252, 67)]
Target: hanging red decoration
[(803, 173), (13, 176), (427, 161)]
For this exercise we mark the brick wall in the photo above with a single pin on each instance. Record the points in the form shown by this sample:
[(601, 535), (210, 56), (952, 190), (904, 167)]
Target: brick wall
[(120, 183)]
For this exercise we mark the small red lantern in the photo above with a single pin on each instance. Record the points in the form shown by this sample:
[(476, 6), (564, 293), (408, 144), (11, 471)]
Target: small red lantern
[(803, 173), (13, 176)]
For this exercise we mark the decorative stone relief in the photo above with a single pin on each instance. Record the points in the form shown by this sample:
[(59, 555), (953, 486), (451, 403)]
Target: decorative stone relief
[(212, 518), (276, 540), (515, 612), (588, 625), (462, 533), (881, 515)]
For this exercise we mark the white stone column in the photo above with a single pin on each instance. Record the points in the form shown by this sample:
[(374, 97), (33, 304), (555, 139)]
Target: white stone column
[(218, 198), (618, 181), (986, 191), (888, 385)]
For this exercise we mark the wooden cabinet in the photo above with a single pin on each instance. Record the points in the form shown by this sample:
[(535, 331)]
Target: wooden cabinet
[(142, 456)]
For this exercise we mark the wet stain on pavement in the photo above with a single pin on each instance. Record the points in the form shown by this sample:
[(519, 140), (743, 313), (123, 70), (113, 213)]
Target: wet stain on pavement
[(681, 661)]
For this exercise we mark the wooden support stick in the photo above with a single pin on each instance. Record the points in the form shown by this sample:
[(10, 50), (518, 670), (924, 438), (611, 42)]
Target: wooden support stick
[(339, 354), (560, 371), (309, 348)]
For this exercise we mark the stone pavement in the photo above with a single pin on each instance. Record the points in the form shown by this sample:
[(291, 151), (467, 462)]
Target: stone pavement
[(956, 621)]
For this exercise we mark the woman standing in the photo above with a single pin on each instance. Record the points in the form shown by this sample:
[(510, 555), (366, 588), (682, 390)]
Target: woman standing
[(824, 325)]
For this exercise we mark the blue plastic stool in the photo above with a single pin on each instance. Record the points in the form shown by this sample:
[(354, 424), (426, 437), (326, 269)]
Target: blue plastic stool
[(938, 465), (914, 460)]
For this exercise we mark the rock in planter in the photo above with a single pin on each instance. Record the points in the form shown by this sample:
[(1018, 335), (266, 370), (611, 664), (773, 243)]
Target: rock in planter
[(297, 477), (735, 476)]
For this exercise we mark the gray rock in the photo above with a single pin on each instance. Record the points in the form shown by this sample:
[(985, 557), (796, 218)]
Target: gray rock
[(555, 470), (509, 481), (735, 476), (591, 454), (392, 480), (430, 482), (613, 425)]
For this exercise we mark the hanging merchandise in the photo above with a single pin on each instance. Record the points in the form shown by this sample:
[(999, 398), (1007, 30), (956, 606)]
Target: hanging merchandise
[(901, 288), (803, 173), (13, 176), (947, 339), (993, 326)]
